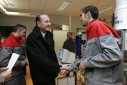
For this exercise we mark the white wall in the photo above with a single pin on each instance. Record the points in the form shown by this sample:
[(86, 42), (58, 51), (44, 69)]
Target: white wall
[(75, 22), (29, 22), (59, 20), (59, 37)]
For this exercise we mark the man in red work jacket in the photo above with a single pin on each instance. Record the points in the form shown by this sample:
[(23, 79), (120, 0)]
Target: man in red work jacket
[(13, 45)]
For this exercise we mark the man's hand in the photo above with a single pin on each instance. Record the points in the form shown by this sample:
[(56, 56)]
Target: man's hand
[(81, 66), (6, 75), (64, 70), (25, 62), (3, 69)]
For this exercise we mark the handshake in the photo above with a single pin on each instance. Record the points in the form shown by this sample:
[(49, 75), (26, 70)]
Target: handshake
[(65, 69)]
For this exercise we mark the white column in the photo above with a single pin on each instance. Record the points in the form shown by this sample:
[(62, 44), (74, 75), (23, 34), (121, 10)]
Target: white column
[(120, 14), (70, 29)]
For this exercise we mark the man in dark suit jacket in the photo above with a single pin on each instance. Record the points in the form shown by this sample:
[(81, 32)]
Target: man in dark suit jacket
[(69, 44), (43, 62)]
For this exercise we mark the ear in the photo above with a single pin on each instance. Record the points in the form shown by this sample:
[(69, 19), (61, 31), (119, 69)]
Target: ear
[(88, 14), (38, 23), (18, 30)]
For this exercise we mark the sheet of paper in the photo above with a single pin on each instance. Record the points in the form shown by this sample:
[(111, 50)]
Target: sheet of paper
[(12, 61), (68, 57), (71, 57), (65, 55)]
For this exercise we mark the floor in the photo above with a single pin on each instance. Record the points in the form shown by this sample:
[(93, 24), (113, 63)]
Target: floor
[(28, 77)]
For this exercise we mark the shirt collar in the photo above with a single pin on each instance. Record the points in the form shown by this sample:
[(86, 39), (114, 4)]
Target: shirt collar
[(43, 34)]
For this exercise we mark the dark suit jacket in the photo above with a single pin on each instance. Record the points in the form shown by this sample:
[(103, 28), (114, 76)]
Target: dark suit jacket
[(69, 45), (42, 58)]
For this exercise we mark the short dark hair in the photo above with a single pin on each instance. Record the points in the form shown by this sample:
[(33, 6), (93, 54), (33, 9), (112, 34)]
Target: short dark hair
[(18, 26), (92, 9), (70, 32), (37, 19)]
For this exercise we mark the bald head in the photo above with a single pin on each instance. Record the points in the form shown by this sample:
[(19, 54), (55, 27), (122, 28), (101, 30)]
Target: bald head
[(38, 18), (43, 22)]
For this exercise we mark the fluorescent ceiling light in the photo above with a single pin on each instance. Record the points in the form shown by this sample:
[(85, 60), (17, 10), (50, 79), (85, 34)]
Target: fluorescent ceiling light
[(2, 8), (63, 5), (1, 2), (13, 13), (4, 11), (8, 2)]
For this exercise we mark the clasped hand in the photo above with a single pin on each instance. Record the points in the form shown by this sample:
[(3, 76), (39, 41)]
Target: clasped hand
[(65, 70)]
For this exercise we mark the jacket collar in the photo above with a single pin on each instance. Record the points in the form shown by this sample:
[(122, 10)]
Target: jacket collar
[(37, 31), (16, 38)]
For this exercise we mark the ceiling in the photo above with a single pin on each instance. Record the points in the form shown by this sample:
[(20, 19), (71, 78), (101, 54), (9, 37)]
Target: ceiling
[(106, 7)]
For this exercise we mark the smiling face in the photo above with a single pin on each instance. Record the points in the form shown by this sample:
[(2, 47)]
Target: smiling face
[(44, 23), (88, 14)]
